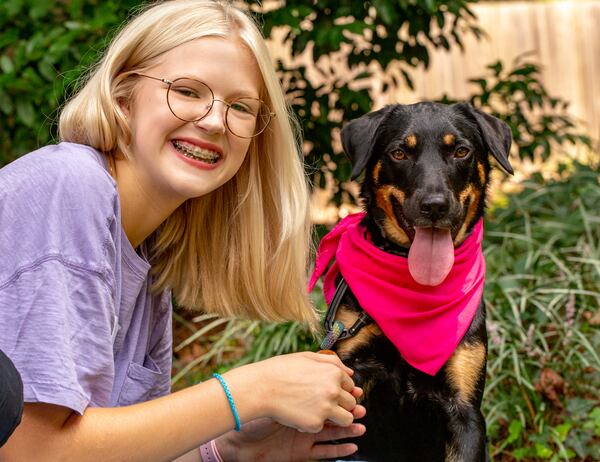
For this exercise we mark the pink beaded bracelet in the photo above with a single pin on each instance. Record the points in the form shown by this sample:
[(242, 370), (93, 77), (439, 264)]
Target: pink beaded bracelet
[(210, 453)]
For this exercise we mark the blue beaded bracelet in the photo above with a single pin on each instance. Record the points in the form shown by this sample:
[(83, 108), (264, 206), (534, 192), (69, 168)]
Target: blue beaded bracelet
[(238, 425)]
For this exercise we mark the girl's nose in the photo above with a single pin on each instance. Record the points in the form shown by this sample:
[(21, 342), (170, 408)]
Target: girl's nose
[(214, 121)]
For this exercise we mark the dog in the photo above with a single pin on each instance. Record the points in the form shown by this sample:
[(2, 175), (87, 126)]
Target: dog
[(406, 311)]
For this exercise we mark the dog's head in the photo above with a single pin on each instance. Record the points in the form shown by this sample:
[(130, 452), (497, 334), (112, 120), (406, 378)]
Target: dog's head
[(427, 170)]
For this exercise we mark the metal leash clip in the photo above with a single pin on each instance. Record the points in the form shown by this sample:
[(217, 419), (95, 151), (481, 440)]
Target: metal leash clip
[(336, 330)]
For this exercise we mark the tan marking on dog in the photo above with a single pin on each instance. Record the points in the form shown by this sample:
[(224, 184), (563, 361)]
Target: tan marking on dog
[(376, 171), (363, 337), (411, 141), (451, 455), (366, 387), (482, 176), (449, 139), (464, 368), (391, 227), (475, 195)]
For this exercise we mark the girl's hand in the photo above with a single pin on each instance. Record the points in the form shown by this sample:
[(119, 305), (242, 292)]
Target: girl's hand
[(268, 441), (300, 390)]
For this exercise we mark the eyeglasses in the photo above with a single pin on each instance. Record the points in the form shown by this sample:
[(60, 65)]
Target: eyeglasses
[(191, 100)]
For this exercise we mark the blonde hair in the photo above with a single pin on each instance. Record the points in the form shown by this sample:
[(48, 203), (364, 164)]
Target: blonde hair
[(241, 250)]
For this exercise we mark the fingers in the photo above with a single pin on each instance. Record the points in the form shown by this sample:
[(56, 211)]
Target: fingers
[(347, 383), (334, 432), (357, 392), (340, 416), (332, 451), (334, 359), (359, 412), (347, 401)]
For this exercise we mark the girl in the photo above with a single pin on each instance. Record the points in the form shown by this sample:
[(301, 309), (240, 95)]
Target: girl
[(177, 172)]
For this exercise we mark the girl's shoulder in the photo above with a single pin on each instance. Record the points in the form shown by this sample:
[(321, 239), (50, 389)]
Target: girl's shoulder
[(58, 202), (69, 166)]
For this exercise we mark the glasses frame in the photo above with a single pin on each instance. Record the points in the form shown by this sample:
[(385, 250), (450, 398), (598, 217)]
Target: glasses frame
[(170, 84)]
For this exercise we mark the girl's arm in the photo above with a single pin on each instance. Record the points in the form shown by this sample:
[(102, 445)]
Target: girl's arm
[(300, 390)]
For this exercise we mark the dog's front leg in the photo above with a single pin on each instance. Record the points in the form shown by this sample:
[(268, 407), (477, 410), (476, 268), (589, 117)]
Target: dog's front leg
[(465, 373), (467, 430)]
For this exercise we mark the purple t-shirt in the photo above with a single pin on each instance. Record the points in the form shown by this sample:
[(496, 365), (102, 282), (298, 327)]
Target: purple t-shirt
[(77, 316)]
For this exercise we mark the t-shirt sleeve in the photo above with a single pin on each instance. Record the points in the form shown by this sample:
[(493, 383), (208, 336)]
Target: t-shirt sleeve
[(58, 222), (56, 324)]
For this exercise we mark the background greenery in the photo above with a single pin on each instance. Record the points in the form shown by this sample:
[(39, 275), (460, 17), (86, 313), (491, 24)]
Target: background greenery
[(542, 243)]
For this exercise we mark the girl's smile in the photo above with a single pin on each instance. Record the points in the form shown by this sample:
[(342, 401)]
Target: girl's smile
[(197, 153)]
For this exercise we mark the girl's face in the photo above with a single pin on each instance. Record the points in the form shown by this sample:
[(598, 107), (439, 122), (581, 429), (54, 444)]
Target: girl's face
[(176, 160)]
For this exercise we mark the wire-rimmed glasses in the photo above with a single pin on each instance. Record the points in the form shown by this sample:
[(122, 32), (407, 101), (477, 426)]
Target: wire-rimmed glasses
[(191, 100)]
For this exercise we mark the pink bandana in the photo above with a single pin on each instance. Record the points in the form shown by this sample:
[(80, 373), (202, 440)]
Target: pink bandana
[(425, 323)]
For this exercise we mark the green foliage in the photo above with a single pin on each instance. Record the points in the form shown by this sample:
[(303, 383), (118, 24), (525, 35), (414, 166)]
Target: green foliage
[(542, 290), (538, 120), (44, 46)]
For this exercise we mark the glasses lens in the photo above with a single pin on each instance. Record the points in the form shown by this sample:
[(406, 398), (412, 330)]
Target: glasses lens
[(248, 117), (189, 99)]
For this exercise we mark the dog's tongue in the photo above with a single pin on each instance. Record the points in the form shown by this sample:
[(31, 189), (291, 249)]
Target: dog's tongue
[(431, 256)]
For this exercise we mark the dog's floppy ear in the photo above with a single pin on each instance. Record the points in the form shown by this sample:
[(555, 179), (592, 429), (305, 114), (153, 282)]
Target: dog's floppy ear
[(358, 137), (496, 134)]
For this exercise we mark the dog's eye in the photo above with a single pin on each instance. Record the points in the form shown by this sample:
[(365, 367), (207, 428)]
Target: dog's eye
[(398, 154), (461, 153)]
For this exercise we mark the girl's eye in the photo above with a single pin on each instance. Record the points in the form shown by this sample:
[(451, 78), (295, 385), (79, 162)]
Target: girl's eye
[(398, 154), (187, 92), (461, 153), (240, 107), (243, 107)]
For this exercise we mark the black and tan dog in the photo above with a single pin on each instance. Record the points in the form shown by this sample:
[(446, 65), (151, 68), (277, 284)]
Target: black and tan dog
[(427, 167)]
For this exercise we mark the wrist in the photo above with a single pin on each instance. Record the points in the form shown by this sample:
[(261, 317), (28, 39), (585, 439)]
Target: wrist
[(210, 453), (247, 392), (227, 447)]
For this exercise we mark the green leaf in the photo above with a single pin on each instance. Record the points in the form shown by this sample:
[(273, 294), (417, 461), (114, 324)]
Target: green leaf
[(563, 430), (6, 64), (25, 112), (514, 431), (543, 451), (8, 37), (6, 105), (386, 10), (521, 453), (13, 7), (39, 9), (358, 27), (47, 70)]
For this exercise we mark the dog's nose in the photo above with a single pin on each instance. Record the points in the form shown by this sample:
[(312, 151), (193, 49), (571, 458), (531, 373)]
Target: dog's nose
[(434, 207)]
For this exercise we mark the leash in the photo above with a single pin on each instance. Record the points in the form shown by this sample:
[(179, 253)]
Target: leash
[(336, 330)]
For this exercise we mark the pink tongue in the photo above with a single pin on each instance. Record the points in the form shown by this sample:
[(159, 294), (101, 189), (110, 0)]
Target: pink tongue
[(431, 256)]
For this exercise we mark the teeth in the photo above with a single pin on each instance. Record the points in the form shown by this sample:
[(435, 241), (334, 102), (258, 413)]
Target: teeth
[(195, 152)]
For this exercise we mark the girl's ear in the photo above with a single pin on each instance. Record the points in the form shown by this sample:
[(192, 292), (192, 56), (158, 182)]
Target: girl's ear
[(123, 105)]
